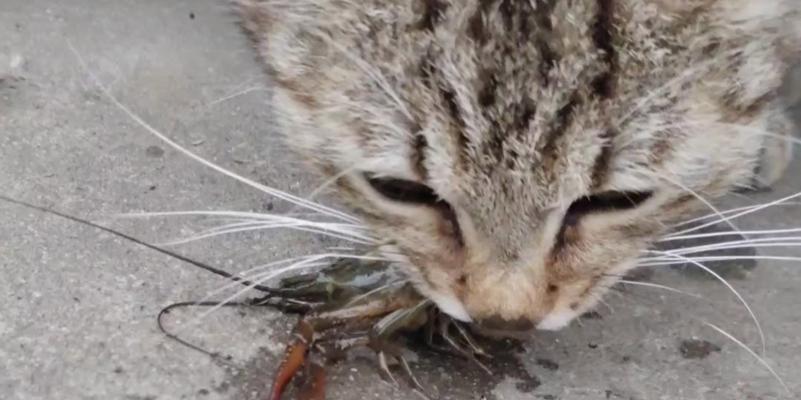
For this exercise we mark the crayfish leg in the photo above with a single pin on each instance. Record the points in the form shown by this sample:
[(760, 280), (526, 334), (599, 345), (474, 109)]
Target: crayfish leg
[(405, 367), (294, 359), (468, 338), (470, 351), (384, 368)]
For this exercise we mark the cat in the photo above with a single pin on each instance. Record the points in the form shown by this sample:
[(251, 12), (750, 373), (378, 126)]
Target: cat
[(516, 157)]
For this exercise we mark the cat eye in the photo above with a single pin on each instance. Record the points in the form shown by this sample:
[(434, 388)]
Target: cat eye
[(403, 191), (604, 202)]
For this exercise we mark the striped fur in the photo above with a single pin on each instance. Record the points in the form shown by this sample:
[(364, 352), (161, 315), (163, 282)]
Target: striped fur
[(512, 109)]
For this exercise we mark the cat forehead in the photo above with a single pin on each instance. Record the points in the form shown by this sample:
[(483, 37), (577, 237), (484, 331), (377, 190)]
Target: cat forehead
[(490, 112), (527, 87), (458, 90)]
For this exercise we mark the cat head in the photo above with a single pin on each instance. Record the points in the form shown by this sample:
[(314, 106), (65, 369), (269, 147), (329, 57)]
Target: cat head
[(516, 158)]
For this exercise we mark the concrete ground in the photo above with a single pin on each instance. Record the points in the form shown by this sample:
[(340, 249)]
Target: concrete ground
[(78, 315)]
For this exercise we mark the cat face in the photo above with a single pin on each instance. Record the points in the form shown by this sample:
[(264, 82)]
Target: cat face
[(517, 160)]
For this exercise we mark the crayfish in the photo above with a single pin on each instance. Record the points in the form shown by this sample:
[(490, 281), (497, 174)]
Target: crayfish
[(354, 303)]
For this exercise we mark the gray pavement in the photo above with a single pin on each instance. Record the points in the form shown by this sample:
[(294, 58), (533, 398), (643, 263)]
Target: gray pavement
[(77, 319)]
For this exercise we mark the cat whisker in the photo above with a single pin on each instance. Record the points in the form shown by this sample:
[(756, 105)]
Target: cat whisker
[(750, 351), (727, 212), (737, 215), (298, 215), (745, 241), (730, 233), (704, 249), (328, 182), (722, 280), (325, 256), (658, 286), (706, 202), (263, 273), (271, 266), (341, 248), (672, 290), (300, 264), (258, 271), (606, 304), (307, 264), (236, 223), (155, 132), (236, 94), (326, 230), (268, 224), (201, 213), (652, 262), (351, 232), (738, 342), (232, 225)]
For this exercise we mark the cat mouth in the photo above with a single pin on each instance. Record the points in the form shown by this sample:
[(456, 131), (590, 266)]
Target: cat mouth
[(502, 328)]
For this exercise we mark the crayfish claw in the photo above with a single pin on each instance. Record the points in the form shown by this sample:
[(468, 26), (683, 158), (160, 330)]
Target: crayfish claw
[(294, 359), (314, 386)]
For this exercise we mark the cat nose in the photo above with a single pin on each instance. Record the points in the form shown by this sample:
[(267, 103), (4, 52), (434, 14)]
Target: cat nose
[(505, 325)]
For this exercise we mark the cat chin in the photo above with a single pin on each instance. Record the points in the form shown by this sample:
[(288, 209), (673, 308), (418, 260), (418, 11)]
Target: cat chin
[(556, 321)]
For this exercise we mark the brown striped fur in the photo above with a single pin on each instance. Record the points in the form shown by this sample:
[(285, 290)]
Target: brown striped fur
[(512, 109)]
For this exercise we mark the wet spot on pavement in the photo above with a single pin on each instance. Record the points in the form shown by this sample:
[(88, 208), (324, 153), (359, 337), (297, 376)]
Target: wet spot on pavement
[(154, 151), (695, 349), (592, 315), (547, 364)]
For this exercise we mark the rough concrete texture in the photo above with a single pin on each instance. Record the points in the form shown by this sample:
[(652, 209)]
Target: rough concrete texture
[(79, 306)]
